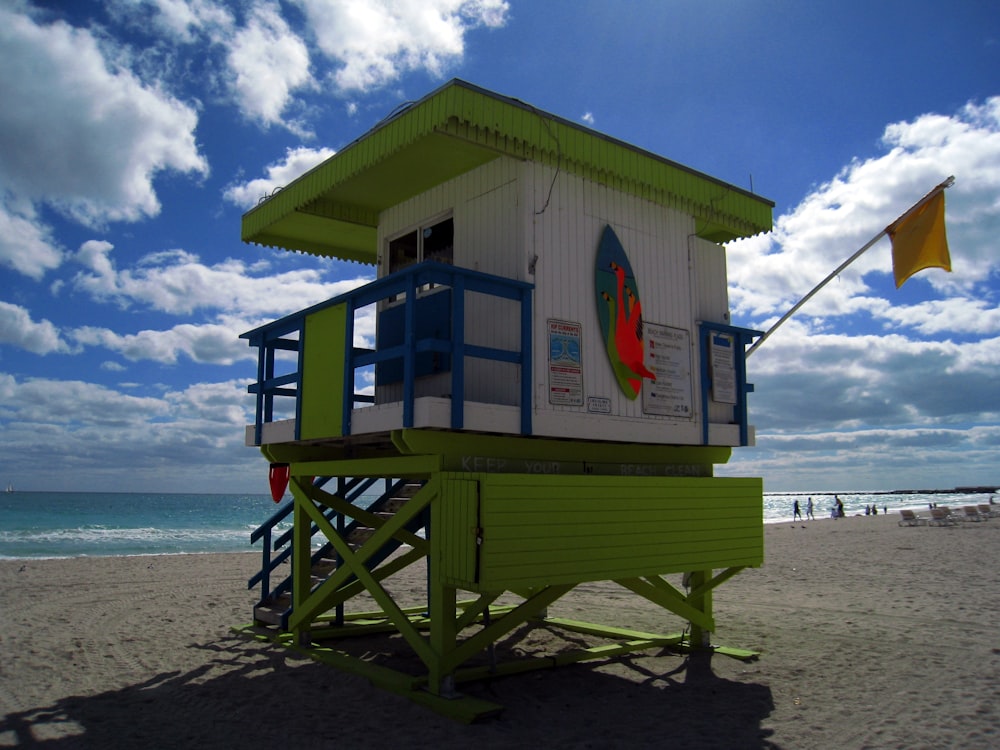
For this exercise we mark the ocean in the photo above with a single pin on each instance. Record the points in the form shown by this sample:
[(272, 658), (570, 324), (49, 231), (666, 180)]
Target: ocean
[(74, 524)]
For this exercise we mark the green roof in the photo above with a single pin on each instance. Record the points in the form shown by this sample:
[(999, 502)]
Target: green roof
[(333, 209)]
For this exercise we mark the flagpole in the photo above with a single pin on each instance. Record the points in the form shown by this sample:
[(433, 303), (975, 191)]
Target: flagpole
[(795, 308)]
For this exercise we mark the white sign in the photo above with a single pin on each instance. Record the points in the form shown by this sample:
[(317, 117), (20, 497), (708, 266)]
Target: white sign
[(598, 405), (668, 356), (723, 368), (565, 364)]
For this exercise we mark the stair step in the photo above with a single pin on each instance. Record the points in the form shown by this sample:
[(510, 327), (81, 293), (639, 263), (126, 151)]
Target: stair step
[(394, 504), (323, 568), (360, 535), (270, 612)]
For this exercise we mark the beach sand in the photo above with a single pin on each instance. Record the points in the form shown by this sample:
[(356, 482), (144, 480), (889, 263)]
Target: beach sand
[(871, 636)]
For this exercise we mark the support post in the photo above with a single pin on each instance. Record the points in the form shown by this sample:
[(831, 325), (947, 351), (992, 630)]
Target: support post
[(442, 603), (301, 562), (701, 599)]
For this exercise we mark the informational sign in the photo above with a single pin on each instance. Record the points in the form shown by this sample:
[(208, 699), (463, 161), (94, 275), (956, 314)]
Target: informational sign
[(722, 353), (598, 405), (668, 355), (565, 364)]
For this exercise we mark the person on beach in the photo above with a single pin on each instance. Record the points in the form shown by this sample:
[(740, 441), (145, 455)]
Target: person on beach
[(874, 509), (809, 510), (796, 511), (840, 506)]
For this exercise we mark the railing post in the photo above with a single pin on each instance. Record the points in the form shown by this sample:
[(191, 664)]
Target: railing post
[(348, 394), (410, 357), (457, 351), (526, 374), (265, 568), (258, 428), (299, 366)]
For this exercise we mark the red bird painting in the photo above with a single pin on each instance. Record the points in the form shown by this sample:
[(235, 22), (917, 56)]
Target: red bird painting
[(620, 314)]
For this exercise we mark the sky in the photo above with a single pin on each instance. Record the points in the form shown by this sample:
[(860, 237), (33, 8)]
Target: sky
[(135, 133)]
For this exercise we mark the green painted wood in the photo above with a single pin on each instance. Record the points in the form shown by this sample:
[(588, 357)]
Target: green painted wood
[(415, 505), (460, 708), (672, 601), (454, 524), (321, 399), (443, 635), (332, 209), (301, 541), (387, 569), (349, 510), (317, 603), (608, 631), (416, 467), (713, 583), (542, 530), (493, 632)]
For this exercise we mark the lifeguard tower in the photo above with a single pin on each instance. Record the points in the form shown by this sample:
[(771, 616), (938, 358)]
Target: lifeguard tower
[(551, 379)]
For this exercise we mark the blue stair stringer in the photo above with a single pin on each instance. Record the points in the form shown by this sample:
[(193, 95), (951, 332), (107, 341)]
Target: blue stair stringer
[(353, 490)]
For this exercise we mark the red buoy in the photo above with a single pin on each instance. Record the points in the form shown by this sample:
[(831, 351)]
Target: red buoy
[(278, 478)]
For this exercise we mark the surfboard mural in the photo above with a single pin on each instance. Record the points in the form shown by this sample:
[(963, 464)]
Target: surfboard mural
[(619, 311)]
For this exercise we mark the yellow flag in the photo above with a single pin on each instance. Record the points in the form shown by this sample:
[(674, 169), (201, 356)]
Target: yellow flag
[(919, 240)]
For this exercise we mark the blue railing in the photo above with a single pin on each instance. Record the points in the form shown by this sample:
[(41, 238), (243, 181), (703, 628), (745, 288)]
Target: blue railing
[(277, 336), (736, 339), (351, 489)]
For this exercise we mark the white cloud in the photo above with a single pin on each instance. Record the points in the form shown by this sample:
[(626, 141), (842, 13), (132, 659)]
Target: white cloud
[(769, 273), (975, 317), (26, 244), (297, 162), (18, 329), (204, 344), (177, 282), (183, 440), (375, 43), (877, 459), (268, 62), (82, 133), (263, 62), (73, 402), (182, 20), (861, 386)]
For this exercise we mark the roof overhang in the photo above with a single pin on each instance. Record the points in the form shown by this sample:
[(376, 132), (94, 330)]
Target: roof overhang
[(333, 209)]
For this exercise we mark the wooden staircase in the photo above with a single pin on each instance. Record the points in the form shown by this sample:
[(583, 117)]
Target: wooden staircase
[(274, 609)]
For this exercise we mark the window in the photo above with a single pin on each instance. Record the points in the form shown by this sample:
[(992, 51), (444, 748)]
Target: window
[(433, 242)]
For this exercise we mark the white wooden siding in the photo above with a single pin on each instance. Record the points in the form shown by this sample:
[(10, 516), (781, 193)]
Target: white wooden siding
[(513, 217), (488, 238), (565, 238)]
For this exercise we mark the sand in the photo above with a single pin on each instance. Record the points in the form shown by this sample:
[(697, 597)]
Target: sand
[(871, 636)]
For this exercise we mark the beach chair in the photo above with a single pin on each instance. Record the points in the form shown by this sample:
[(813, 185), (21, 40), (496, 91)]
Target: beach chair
[(909, 518), (971, 513), (941, 517), (988, 511)]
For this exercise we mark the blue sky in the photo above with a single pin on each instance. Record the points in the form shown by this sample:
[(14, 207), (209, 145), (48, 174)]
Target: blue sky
[(135, 133)]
